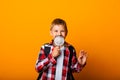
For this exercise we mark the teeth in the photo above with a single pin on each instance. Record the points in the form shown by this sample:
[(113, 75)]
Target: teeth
[(59, 41)]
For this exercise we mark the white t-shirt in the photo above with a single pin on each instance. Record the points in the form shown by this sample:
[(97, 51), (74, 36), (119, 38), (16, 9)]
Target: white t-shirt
[(59, 65)]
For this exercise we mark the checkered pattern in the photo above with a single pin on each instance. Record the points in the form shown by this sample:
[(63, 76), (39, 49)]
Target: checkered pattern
[(47, 64)]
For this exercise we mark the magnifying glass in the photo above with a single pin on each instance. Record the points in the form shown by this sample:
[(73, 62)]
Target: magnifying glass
[(59, 41)]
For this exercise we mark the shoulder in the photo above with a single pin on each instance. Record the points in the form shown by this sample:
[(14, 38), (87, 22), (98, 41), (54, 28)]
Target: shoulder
[(68, 45), (46, 45)]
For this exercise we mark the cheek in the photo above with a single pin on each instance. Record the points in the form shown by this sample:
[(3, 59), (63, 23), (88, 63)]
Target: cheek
[(64, 34), (53, 34)]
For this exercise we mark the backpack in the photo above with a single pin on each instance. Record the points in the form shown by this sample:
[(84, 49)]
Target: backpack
[(47, 50)]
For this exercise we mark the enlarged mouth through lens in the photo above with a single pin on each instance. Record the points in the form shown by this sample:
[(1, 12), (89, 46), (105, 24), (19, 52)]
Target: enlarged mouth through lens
[(58, 40)]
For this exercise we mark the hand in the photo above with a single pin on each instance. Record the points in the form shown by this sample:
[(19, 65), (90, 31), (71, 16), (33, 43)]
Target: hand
[(82, 57), (56, 51)]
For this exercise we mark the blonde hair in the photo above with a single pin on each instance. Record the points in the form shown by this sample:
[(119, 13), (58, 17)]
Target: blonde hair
[(59, 21)]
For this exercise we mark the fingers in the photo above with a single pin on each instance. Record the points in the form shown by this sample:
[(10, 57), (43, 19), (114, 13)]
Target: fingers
[(57, 48), (56, 51), (83, 53)]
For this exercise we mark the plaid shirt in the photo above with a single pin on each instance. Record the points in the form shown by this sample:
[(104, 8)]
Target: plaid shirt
[(47, 64)]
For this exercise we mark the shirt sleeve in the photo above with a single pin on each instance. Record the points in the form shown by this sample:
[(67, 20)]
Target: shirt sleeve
[(43, 61)]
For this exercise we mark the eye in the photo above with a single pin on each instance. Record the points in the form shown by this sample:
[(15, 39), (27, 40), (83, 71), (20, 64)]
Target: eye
[(63, 31), (56, 31)]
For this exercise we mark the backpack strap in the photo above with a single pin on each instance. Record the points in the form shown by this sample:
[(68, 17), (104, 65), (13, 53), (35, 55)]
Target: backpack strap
[(46, 50), (71, 48), (71, 54)]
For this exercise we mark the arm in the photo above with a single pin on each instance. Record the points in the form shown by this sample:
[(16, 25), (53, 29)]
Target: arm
[(77, 64), (43, 61)]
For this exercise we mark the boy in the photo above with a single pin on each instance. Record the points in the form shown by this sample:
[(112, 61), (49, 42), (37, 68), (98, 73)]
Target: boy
[(61, 60)]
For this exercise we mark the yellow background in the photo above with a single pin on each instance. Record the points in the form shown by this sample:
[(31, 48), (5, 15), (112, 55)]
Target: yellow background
[(94, 25)]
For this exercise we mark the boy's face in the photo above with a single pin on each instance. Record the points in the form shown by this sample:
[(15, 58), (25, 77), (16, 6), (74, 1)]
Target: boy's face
[(58, 30)]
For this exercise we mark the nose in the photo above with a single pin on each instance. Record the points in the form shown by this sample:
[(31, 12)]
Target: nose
[(59, 34)]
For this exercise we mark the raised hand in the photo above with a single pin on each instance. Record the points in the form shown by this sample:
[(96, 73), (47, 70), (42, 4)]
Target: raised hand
[(82, 57)]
